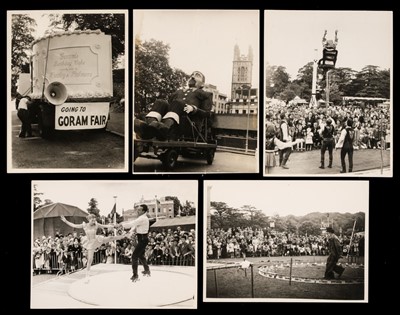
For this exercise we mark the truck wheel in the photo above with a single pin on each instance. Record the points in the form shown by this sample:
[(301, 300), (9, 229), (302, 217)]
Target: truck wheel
[(169, 159), (210, 156)]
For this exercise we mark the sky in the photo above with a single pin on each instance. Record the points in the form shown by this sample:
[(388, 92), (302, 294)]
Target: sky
[(78, 193), (203, 40), (365, 38), (292, 197)]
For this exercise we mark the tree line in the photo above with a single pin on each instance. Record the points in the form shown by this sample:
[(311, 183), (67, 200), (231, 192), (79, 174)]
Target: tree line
[(223, 216), (370, 81)]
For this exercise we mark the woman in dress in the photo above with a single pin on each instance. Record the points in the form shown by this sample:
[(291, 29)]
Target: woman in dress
[(91, 241)]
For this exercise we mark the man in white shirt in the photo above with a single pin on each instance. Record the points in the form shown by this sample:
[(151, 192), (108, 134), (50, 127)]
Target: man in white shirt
[(24, 117), (141, 226)]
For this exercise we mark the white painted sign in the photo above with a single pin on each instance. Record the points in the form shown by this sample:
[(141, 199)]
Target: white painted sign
[(77, 116)]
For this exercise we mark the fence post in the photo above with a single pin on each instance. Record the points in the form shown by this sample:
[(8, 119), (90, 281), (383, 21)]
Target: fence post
[(252, 282), (216, 285), (290, 273)]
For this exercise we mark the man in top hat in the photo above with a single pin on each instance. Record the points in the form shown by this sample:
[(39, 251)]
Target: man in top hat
[(327, 142), (162, 121), (335, 252)]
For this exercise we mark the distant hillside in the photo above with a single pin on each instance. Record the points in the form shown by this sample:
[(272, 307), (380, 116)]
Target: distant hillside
[(336, 220)]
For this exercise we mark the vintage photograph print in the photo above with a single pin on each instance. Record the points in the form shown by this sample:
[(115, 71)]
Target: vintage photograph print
[(67, 86), (114, 244), (196, 88), (285, 241), (328, 93)]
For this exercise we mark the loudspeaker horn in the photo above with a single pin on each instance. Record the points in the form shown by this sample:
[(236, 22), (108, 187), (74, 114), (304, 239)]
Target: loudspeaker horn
[(56, 93)]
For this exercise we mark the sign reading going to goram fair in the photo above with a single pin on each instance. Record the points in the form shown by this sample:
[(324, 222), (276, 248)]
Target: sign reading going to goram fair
[(81, 116)]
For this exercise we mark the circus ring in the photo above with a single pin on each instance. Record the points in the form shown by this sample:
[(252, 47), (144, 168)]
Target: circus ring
[(294, 271), (271, 280), (116, 288), (109, 286)]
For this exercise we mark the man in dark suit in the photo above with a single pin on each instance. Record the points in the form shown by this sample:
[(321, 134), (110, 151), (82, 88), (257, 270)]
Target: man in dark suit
[(162, 121), (335, 252)]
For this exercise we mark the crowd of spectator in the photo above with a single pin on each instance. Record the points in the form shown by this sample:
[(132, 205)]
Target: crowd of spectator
[(256, 242), (370, 123), (64, 253)]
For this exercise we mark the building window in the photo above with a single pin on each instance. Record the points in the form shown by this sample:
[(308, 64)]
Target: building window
[(251, 111), (237, 111), (244, 111)]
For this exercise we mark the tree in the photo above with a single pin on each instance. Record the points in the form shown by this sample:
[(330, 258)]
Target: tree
[(369, 84), (220, 212), (256, 217), (290, 92), (22, 27), (93, 208), (309, 228), (154, 78), (188, 209), (277, 79), (177, 204), (110, 24), (304, 80), (37, 200)]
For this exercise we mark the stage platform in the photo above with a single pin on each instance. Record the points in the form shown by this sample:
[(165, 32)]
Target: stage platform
[(110, 287)]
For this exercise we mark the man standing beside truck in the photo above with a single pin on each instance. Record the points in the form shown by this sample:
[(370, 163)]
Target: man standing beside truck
[(24, 116)]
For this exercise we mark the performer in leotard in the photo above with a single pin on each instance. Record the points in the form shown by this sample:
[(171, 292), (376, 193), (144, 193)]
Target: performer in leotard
[(91, 241)]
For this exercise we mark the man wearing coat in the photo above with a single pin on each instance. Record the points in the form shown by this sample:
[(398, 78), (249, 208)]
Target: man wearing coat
[(164, 118)]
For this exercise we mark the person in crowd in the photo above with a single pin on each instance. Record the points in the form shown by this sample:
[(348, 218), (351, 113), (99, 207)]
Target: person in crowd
[(91, 241)]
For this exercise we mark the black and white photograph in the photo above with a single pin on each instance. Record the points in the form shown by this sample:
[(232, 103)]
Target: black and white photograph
[(285, 241), (114, 244), (196, 89), (66, 91), (328, 93)]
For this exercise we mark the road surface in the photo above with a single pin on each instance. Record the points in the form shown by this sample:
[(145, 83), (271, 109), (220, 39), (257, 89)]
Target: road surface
[(366, 162), (224, 162), (89, 150)]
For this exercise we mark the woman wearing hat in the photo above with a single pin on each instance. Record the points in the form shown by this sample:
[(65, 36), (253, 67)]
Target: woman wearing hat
[(91, 241)]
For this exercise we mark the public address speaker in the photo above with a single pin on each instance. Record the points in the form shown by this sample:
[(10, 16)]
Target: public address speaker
[(56, 93)]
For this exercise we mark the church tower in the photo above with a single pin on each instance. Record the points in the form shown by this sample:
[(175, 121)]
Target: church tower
[(241, 72)]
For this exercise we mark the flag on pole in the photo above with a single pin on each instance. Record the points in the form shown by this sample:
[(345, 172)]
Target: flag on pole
[(114, 209)]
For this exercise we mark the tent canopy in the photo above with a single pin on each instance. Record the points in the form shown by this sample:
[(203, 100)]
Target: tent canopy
[(58, 209), (47, 221), (186, 221)]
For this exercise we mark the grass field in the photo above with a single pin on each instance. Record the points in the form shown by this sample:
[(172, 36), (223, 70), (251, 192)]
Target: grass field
[(236, 283)]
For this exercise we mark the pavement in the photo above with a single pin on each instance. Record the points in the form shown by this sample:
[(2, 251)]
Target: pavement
[(366, 162)]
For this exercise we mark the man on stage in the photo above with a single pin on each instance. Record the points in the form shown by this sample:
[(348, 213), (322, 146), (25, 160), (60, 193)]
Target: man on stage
[(141, 225)]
